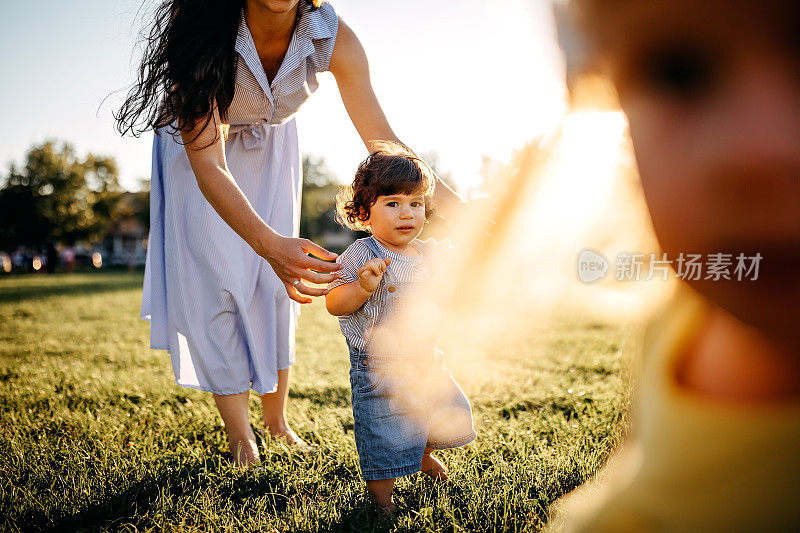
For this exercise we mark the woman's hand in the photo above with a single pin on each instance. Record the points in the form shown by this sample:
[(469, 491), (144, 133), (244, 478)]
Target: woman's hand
[(289, 258), (370, 275)]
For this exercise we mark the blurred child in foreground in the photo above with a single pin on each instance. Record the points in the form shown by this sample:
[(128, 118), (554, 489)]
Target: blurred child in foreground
[(711, 91)]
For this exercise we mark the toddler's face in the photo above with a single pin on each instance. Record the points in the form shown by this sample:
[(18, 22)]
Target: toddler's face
[(712, 94), (398, 219)]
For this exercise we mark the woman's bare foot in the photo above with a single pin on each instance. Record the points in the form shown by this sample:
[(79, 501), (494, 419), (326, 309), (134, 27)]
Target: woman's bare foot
[(286, 434), (244, 450), (273, 409), (241, 440), (432, 467)]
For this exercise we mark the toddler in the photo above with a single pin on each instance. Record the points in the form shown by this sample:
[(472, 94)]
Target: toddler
[(405, 402), (712, 95)]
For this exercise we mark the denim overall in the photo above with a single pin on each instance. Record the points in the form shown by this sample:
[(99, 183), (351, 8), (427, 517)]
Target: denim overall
[(402, 402)]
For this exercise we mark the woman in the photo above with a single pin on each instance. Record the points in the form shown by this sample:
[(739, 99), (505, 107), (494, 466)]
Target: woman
[(219, 82)]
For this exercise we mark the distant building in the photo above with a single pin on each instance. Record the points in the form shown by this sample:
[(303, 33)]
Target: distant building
[(125, 244)]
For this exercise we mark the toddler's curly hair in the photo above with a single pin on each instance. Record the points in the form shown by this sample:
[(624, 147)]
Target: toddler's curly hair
[(391, 169)]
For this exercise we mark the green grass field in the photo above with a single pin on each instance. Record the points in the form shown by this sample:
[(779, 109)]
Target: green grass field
[(96, 435)]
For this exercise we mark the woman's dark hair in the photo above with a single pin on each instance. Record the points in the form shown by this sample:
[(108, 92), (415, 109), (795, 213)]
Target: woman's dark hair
[(188, 65), (392, 169)]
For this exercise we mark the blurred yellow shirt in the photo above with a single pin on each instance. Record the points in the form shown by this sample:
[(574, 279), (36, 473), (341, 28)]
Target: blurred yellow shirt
[(692, 464)]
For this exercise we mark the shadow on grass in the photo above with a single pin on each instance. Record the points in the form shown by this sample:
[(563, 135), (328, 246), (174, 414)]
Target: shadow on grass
[(323, 396), (85, 285), (129, 506), (159, 495), (361, 516)]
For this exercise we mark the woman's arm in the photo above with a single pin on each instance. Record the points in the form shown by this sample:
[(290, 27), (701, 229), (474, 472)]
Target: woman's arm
[(350, 68), (205, 147)]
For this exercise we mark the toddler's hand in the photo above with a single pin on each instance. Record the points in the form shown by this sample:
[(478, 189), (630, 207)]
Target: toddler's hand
[(371, 273)]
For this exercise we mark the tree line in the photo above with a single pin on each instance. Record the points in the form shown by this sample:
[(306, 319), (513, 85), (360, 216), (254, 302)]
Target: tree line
[(57, 197)]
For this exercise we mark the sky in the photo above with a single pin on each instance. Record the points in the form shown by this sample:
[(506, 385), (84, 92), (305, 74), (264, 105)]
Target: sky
[(467, 82)]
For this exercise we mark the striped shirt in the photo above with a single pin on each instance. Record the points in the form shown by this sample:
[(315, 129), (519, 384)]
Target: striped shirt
[(403, 268), (309, 53)]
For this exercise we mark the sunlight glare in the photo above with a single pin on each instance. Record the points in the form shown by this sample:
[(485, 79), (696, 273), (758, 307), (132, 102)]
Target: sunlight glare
[(579, 182), (575, 190)]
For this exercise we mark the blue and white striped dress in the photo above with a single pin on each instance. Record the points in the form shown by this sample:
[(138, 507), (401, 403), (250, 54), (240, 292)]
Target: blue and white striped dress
[(212, 302)]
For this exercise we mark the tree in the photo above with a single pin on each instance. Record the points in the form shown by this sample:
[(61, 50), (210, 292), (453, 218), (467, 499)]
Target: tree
[(319, 199), (432, 159), (57, 197)]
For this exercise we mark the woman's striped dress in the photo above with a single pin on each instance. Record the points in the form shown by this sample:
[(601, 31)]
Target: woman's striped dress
[(212, 302)]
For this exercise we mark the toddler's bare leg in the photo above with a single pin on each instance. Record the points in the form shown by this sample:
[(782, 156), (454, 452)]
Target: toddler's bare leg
[(381, 491), (242, 442), (432, 467), (273, 406)]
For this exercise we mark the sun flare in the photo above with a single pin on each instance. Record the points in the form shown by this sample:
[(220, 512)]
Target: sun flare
[(575, 190), (578, 184)]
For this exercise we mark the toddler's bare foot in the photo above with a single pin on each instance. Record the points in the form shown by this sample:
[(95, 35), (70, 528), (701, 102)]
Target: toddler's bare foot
[(433, 468), (386, 510), (381, 492)]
